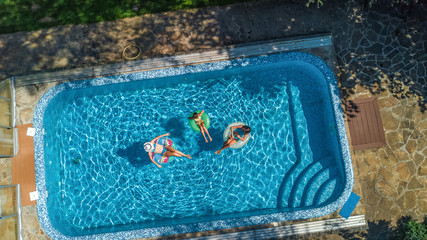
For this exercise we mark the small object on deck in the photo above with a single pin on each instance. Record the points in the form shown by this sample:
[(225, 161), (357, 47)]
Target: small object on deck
[(125, 56), (34, 196), (31, 131), (349, 206)]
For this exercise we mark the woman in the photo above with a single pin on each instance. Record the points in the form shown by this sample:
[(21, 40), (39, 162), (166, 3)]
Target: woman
[(197, 117), (163, 150), (235, 136)]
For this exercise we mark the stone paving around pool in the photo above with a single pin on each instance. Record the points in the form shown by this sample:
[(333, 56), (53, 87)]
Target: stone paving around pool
[(380, 52)]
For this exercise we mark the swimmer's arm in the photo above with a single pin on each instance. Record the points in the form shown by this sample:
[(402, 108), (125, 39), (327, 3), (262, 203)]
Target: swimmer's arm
[(231, 134), (234, 127), (167, 134), (242, 139), (201, 113), (151, 158)]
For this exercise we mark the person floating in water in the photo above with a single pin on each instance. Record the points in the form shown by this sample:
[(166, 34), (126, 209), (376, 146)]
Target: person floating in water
[(163, 150), (197, 117), (235, 136)]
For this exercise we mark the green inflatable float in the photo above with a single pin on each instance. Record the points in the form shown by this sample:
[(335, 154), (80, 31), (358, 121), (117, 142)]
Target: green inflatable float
[(205, 119)]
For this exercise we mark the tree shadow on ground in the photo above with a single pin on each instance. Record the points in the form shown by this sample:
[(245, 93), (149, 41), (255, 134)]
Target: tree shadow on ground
[(22, 15), (384, 54), (389, 56), (385, 230), (135, 154), (378, 230), (162, 34)]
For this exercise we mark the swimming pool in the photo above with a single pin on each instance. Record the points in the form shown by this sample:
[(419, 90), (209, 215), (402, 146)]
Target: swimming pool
[(95, 180)]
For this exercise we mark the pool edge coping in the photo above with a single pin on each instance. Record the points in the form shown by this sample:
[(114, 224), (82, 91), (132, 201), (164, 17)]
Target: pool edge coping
[(225, 53)]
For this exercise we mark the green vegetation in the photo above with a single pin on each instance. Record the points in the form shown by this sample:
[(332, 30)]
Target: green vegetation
[(413, 230), (318, 2), (28, 15)]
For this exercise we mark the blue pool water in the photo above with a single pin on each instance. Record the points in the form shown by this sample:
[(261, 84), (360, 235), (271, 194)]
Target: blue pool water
[(100, 179)]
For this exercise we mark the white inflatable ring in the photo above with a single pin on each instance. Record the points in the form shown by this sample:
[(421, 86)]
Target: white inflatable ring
[(238, 144)]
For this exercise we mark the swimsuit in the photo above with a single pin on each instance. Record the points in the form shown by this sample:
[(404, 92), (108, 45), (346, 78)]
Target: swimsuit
[(199, 121), (235, 137), (161, 143), (159, 157)]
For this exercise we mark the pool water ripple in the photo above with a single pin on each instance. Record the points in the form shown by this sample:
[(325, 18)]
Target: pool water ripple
[(97, 130), (107, 180)]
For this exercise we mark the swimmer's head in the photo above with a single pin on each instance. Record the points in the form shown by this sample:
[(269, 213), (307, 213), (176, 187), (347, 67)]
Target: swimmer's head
[(148, 146), (195, 115), (246, 129)]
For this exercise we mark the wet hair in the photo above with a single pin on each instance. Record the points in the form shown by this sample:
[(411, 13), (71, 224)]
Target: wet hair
[(194, 116), (246, 129)]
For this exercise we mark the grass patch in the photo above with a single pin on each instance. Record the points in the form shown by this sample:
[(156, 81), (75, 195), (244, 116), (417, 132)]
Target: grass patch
[(29, 15)]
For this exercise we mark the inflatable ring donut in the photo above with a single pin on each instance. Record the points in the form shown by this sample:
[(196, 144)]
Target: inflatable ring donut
[(158, 158), (125, 56), (239, 143), (205, 119)]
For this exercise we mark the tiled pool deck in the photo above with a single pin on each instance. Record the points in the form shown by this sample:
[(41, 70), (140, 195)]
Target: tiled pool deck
[(378, 54)]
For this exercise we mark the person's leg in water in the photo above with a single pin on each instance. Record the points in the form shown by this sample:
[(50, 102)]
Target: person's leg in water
[(230, 141), (206, 130), (173, 152), (202, 131), (225, 146)]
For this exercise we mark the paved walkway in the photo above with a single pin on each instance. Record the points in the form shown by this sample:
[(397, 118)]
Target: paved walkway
[(159, 34), (379, 53)]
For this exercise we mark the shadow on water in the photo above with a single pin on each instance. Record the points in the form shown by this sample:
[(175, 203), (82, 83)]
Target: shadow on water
[(254, 83), (135, 154), (175, 126), (216, 143)]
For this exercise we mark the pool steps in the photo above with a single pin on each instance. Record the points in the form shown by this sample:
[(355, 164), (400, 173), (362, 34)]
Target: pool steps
[(305, 179), (321, 177), (290, 193), (306, 175), (302, 180), (293, 229), (326, 191)]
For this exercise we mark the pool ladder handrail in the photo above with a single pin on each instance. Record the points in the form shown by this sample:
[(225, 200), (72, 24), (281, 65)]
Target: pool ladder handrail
[(18, 213)]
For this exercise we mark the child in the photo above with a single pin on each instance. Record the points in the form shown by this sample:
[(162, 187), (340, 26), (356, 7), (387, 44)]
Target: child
[(197, 117)]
